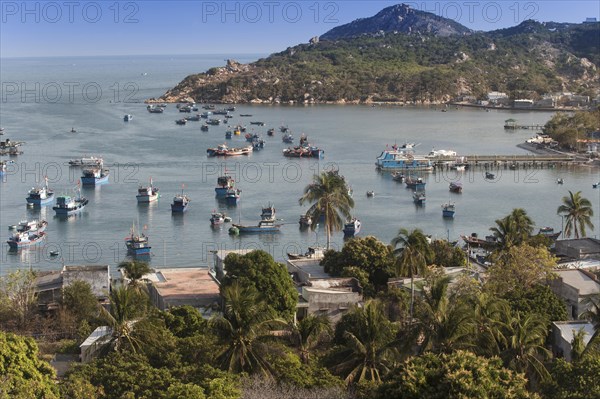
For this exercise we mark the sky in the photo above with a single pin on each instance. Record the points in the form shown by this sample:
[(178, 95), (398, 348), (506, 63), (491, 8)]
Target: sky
[(110, 27)]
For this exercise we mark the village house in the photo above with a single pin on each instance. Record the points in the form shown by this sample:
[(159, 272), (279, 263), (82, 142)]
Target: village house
[(563, 333), (573, 286)]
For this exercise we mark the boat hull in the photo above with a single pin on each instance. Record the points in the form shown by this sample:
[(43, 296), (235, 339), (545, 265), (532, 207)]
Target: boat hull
[(24, 244), (447, 213), (178, 208), (145, 199), (94, 181), (68, 211), (256, 229), (38, 201), (221, 191)]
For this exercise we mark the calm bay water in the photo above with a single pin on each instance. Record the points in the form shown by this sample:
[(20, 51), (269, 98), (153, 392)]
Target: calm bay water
[(93, 94)]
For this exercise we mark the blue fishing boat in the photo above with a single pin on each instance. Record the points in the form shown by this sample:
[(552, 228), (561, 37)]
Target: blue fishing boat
[(419, 197), (67, 205), (402, 159), (288, 138), (40, 195), (228, 134), (232, 196), (448, 210), (94, 176), (415, 184), (137, 244), (224, 183), (23, 239), (180, 202), (352, 228)]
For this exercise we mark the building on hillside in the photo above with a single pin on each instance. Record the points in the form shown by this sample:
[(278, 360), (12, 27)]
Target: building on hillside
[(497, 97), (173, 287), (563, 333), (93, 343), (523, 103), (49, 285), (578, 249), (331, 297), (573, 286), (404, 283)]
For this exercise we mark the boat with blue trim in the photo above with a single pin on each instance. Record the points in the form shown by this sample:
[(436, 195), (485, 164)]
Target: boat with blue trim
[(147, 194), (266, 224), (33, 226), (415, 184), (402, 159), (448, 210), (232, 196), (180, 202), (67, 205), (94, 176), (224, 183), (419, 197), (217, 218), (137, 244), (352, 228), (40, 195)]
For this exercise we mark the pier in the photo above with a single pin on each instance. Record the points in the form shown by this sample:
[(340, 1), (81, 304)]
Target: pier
[(523, 161), (511, 124)]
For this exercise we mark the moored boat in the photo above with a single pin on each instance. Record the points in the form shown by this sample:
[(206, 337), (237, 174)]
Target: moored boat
[(489, 175), (419, 197), (182, 121), (87, 161), (25, 239), (305, 221), (415, 184), (352, 228), (448, 210), (148, 193), (456, 187), (127, 118), (232, 196), (40, 195), (288, 138), (398, 176), (223, 150), (137, 244), (224, 183), (312, 253), (402, 159), (67, 205), (204, 128), (217, 218), (94, 176), (180, 202), (33, 226), (549, 232), (264, 226)]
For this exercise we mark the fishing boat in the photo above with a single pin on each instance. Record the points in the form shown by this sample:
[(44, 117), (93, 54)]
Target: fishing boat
[(33, 226), (258, 144), (195, 118), (448, 210), (264, 226), (180, 202), (224, 183), (370, 194), (217, 218), (415, 184), (271, 132), (352, 228), (153, 109), (94, 176), (257, 123), (67, 205), (305, 221), (596, 185), (473, 240), (268, 213), (419, 197), (73, 130), (25, 239), (232, 196), (489, 175), (456, 187), (312, 253), (223, 150), (181, 121), (213, 122), (228, 134), (87, 161), (204, 128), (549, 232), (137, 244), (398, 176), (40, 195), (403, 159), (3, 166), (245, 115), (128, 118), (288, 138), (283, 129), (147, 194), (559, 181)]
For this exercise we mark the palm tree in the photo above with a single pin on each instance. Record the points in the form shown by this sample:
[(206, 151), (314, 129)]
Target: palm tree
[(443, 325), (413, 253), (592, 313), (328, 194), (307, 332), (368, 352), (488, 315), (513, 229), (243, 323), (127, 307), (522, 338), (579, 212)]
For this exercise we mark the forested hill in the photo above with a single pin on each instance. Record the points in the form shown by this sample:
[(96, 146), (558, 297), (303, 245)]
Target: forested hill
[(415, 57)]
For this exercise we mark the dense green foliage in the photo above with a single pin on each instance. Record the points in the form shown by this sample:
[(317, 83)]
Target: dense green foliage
[(22, 374), (525, 61), (257, 269), (568, 128), (457, 375), (577, 380)]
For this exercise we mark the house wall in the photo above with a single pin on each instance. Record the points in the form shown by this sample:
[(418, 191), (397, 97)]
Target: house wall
[(332, 304)]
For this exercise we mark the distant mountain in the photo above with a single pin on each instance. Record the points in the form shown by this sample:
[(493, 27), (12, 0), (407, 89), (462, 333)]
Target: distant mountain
[(420, 58), (401, 19)]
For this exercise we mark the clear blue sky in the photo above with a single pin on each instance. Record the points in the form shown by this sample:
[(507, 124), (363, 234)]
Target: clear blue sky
[(73, 27)]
